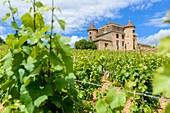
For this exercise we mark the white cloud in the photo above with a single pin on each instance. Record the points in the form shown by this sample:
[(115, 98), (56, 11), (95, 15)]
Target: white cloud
[(157, 20), (75, 39), (141, 7), (154, 39), (79, 13)]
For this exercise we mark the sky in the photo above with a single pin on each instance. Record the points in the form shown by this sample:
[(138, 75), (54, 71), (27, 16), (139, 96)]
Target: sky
[(146, 15)]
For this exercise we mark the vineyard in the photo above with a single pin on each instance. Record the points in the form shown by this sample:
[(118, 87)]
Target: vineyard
[(40, 73), (132, 71)]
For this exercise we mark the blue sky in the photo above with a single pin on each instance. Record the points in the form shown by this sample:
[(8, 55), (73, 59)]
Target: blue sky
[(146, 15)]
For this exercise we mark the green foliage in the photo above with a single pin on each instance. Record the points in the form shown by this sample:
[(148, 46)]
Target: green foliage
[(113, 103), (37, 77), (3, 50), (161, 81), (84, 44), (129, 70)]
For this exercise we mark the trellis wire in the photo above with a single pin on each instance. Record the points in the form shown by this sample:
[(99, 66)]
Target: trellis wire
[(128, 91)]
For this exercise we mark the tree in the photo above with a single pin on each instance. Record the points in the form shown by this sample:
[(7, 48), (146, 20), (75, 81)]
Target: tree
[(81, 44), (84, 44), (91, 45)]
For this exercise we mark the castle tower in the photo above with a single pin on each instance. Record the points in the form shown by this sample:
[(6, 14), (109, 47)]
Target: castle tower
[(92, 32), (130, 36)]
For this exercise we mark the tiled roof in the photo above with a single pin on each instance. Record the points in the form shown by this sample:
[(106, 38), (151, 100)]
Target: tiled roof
[(92, 27), (129, 24)]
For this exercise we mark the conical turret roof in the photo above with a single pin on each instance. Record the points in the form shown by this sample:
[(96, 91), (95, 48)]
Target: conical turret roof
[(92, 27), (129, 24)]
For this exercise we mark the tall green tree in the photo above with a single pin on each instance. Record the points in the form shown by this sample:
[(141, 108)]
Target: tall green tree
[(81, 44), (84, 44), (91, 45)]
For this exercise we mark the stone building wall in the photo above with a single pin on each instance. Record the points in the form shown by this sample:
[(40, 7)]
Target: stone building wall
[(113, 36)]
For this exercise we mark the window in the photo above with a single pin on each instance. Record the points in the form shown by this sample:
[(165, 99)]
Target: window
[(133, 43), (90, 33), (106, 44), (133, 31), (117, 42), (117, 35), (123, 36), (123, 43), (90, 38)]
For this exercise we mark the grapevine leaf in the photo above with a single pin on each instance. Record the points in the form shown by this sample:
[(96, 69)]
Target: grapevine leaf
[(7, 56), (6, 17), (60, 83), (7, 110), (27, 80), (7, 84), (57, 8), (22, 40), (70, 78), (38, 4), (164, 45), (68, 105), (161, 81), (118, 101), (11, 40), (167, 109), (110, 95), (27, 100), (102, 107), (147, 109), (26, 49), (4, 2), (39, 21), (7, 60), (17, 60), (27, 20), (61, 44), (15, 93), (15, 10), (48, 90), (14, 25), (39, 100), (42, 31), (62, 24), (21, 74), (35, 51)]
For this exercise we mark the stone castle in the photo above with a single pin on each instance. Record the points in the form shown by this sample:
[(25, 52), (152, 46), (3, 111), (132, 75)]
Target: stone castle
[(114, 36)]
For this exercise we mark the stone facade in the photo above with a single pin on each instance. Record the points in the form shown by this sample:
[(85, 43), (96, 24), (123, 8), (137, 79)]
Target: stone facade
[(113, 36), (146, 48)]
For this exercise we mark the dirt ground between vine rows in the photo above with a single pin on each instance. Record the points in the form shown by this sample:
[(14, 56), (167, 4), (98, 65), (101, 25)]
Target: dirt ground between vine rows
[(129, 102)]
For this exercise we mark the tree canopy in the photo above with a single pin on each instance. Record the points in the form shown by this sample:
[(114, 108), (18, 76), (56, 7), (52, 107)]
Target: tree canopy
[(84, 44)]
